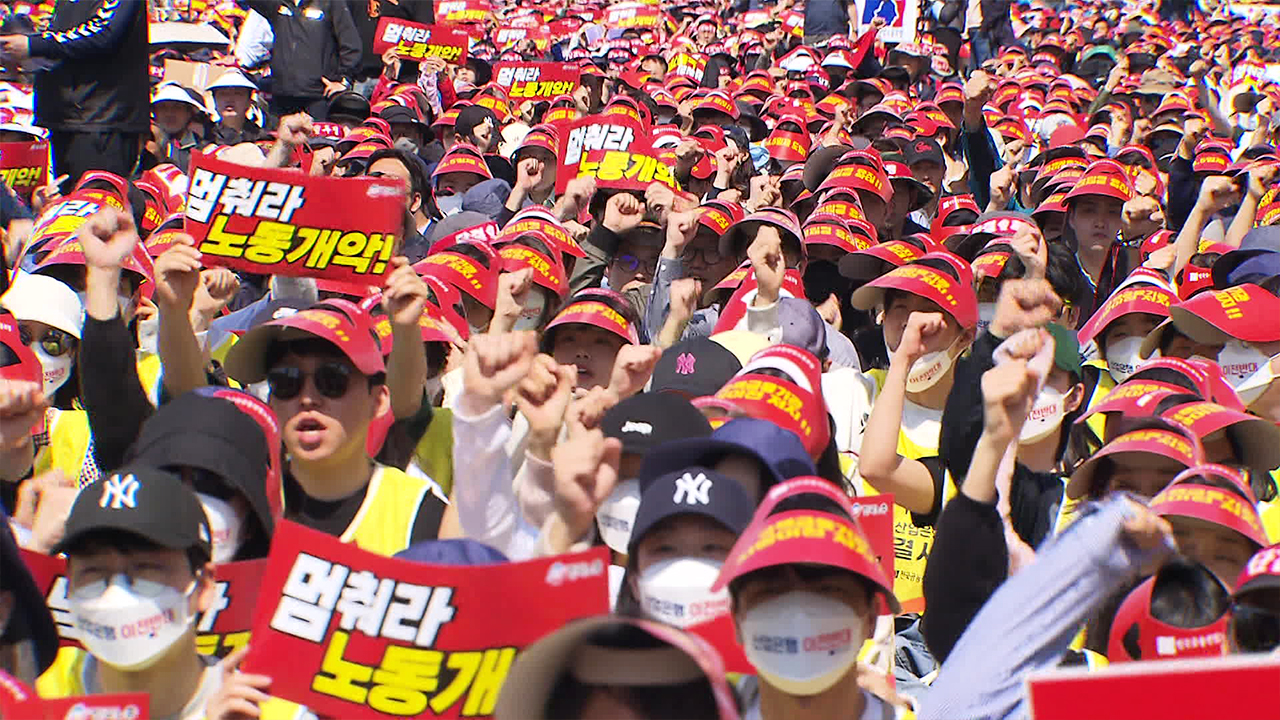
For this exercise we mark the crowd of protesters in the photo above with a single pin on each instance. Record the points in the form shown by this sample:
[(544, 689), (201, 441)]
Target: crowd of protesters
[(1017, 265)]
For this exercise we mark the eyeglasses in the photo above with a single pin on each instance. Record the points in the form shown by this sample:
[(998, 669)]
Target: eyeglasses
[(54, 343), (331, 380), (1255, 629), (631, 263), (710, 255)]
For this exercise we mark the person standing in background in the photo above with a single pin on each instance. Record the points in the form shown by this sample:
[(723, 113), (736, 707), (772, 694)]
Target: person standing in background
[(93, 90), (315, 54)]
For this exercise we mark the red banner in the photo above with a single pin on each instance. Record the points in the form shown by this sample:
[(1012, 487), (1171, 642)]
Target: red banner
[(282, 222), (874, 514), (626, 15), (536, 80), (352, 634), (219, 630), (415, 41), (540, 35), (1240, 688), (615, 150), (688, 64), (24, 166), (19, 702), (463, 11)]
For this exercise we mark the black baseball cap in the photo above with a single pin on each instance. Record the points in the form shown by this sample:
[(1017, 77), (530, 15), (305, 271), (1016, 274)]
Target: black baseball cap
[(696, 367), (693, 490), (146, 501), (923, 149), (644, 421)]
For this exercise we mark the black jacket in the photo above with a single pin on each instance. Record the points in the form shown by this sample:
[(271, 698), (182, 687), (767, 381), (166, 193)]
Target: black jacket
[(313, 39), (100, 77)]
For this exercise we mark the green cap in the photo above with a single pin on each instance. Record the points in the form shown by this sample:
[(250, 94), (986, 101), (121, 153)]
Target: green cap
[(1066, 349)]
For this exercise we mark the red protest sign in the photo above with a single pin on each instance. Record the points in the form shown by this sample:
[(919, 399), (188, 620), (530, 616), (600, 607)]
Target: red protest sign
[(627, 15), (352, 634), (688, 64), (415, 41), (615, 150), (219, 630), (24, 166), (874, 514), (463, 11), (1241, 688), (19, 702), (511, 34), (281, 222), (536, 80)]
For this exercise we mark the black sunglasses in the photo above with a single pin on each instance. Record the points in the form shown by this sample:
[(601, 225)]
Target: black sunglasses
[(332, 380), (1255, 629), (55, 342)]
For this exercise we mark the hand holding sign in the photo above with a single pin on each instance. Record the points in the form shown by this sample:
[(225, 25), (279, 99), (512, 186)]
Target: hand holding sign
[(241, 694), (404, 296)]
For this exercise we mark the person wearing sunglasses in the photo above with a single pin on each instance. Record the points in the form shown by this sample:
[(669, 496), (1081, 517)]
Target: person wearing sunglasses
[(50, 318), (328, 381), (1255, 607)]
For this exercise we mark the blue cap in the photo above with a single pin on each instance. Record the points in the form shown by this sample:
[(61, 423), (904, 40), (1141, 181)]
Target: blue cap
[(459, 551), (1245, 266), (693, 491), (780, 452)]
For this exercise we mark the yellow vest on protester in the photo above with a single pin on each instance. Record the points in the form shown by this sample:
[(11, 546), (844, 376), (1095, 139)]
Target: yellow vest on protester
[(384, 522), (911, 544), (1101, 389), (434, 453), (65, 443)]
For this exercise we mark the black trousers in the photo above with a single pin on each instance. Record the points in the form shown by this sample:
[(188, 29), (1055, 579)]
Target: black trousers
[(77, 152), (317, 108)]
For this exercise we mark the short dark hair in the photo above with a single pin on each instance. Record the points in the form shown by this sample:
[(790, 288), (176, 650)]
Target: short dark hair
[(126, 542), (418, 182), (318, 347)]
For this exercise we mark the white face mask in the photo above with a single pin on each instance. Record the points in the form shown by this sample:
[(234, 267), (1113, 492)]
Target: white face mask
[(449, 204), (57, 370), (802, 643), (677, 591), (928, 369), (1251, 388), (986, 313), (224, 527), (1045, 416), (130, 627), (1123, 359), (617, 514), (149, 334), (531, 314), (1239, 360)]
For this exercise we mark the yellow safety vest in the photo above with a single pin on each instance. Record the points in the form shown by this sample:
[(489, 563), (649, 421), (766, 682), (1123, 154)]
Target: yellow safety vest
[(434, 453), (65, 677), (66, 443), (1101, 389), (384, 522), (911, 544)]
